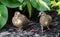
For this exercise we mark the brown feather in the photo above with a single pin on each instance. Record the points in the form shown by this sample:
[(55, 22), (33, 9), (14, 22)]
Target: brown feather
[(19, 19), (45, 20)]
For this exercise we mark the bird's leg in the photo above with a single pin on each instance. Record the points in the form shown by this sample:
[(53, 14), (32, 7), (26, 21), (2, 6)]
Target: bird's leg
[(19, 29), (48, 28), (42, 28)]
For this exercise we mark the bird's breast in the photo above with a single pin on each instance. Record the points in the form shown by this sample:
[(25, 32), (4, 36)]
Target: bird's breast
[(17, 22), (44, 21)]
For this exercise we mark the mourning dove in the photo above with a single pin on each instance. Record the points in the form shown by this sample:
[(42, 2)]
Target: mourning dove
[(45, 20), (19, 20)]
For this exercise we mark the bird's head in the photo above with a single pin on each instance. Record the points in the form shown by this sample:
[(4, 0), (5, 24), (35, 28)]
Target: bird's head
[(41, 14), (17, 14)]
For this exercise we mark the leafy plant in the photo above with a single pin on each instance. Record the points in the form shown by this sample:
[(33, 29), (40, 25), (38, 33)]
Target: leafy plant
[(4, 11), (54, 3), (10, 3), (3, 15), (40, 5)]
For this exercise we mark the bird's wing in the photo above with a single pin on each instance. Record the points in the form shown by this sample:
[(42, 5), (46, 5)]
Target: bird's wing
[(49, 17)]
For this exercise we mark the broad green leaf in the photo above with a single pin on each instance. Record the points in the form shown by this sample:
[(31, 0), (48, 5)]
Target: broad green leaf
[(10, 3), (47, 2), (0, 2), (39, 5), (3, 15), (21, 1), (29, 8), (34, 3), (44, 4)]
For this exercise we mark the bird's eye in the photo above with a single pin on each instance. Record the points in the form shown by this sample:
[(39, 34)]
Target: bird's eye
[(41, 13)]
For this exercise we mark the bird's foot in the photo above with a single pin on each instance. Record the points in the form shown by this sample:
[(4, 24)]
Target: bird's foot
[(43, 31), (18, 30), (49, 29)]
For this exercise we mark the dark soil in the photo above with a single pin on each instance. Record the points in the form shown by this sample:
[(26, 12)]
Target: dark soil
[(33, 30)]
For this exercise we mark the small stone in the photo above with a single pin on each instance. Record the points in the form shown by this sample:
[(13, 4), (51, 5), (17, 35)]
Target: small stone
[(55, 23), (25, 33), (30, 36), (18, 36), (50, 35), (5, 36), (30, 33), (0, 35), (36, 35), (57, 34), (10, 30), (55, 19), (5, 33), (21, 34), (44, 36), (13, 34)]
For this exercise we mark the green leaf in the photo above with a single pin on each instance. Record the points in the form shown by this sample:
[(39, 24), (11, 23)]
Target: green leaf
[(58, 4), (10, 3), (22, 5), (34, 3), (39, 5), (21, 1), (58, 0), (58, 11), (44, 4), (47, 2), (53, 3), (29, 8), (3, 15)]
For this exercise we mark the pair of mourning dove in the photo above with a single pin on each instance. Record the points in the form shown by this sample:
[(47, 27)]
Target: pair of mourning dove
[(45, 20), (19, 20)]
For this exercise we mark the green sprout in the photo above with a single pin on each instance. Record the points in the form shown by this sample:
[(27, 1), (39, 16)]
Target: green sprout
[(54, 4)]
